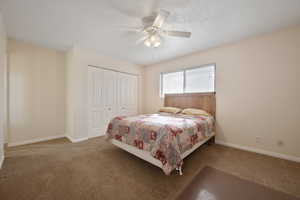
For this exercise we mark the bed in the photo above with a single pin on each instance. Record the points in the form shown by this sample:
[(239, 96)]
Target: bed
[(165, 139)]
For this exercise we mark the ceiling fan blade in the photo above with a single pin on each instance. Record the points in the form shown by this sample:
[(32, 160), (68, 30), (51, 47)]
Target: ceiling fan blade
[(178, 34), (131, 28), (160, 18)]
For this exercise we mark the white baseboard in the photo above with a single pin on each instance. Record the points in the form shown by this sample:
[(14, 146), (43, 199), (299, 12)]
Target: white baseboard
[(260, 151), (95, 136), (1, 161), (12, 144), (74, 140)]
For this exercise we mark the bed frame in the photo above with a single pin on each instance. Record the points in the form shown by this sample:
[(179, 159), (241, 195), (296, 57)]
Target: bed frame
[(205, 101)]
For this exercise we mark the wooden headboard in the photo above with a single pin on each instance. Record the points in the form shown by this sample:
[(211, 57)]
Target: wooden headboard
[(204, 101)]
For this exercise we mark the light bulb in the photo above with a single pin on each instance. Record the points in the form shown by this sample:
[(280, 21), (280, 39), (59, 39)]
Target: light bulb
[(156, 44), (153, 38), (147, 43)]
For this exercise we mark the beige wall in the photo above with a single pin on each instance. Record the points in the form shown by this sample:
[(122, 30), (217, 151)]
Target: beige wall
[(258, 90), (3, 93), (36, 92), (78, 60)]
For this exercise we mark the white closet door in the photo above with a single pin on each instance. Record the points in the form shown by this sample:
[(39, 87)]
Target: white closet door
[(96, 108), (110, 95), (128, 90), (101, 100)]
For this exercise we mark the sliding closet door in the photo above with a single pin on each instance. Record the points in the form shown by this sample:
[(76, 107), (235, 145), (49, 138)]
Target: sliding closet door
[(128, 90), (102, 85)]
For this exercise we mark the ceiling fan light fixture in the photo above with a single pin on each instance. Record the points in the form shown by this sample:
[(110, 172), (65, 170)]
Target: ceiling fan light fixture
[(153, 41), (153, 30)]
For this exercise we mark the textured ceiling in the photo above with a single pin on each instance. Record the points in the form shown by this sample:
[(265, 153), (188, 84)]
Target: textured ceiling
[(101, 25)]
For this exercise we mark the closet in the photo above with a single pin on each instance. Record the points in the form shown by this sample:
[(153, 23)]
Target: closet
[(110, 94)]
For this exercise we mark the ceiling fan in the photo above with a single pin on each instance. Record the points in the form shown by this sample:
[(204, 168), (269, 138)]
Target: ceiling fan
[(154, 32)]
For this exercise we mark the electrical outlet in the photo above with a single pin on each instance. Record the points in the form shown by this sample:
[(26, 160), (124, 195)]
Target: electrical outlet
[(258, 140), (280, 143)]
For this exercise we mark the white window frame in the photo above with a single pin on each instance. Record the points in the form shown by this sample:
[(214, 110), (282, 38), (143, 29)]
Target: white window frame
[(184, 78)]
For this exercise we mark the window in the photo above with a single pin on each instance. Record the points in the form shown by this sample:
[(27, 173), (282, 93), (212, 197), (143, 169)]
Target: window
[(173, 82), (200, 79)]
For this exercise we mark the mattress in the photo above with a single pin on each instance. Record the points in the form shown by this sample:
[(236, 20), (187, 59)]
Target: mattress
[(165, 136)]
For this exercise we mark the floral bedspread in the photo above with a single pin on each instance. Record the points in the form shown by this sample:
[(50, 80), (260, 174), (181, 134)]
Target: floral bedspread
[(166, 136)]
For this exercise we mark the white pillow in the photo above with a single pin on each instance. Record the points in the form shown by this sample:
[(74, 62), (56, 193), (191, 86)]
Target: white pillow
[(193, 111), (170, 110)]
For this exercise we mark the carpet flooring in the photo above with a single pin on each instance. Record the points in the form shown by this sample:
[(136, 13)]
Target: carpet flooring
[(213, 184), (95, 169)]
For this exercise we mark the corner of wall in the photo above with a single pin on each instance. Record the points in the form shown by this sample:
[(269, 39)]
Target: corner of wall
[(3, 90), (1, 161)]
